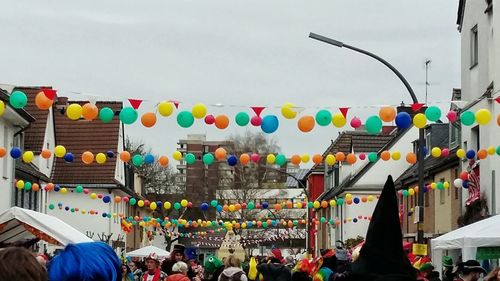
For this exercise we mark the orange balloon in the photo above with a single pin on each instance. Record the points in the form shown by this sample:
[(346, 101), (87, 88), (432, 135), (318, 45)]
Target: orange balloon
[(118, 199), (125, 156), (244, 158), (148, 119), (237, 206), (89, 111), (364, 199), (348, 201), (289, 204), (387, 113), (306, 123), (220, 153), (277, 207), (35, 187), (225, 208), (340, 156), (411, 158), (87, 157), (385, 155), (498, 120), (295, 159), (351, 158), (3, 152), (324, 204), (221, 121), (46, 154), (163, 160), (482, 154), (290, 224), (42, 101), (49, 186), (317, 158)]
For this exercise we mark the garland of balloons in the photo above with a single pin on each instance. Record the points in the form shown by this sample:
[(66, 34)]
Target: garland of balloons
[(268, 124)]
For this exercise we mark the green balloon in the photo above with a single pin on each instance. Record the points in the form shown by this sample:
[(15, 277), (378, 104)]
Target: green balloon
[(374, 125), (137, 160), (27, 186), (242, 119), (433, 113), (498, 150), (440, 185), (106, 114), (280, 160), (264, 224), (208, 159), (405, 193), (79, 189), (132, 201), (72, 210), (340, 201), (372, 157), (323, 219), (213, 203), (190, 158), (468, 118), (251, 206), (295, 222), (310, 205), (177, 205), (51, 206), (18, 99), (185, 119), (323, 117), (128, 115)]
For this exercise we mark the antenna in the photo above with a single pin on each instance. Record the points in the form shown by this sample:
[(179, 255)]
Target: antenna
[(427, 84)]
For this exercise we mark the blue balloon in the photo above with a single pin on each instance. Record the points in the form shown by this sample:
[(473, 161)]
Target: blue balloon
[(57, 188), (204, 206), (59, 204), (425, 189), (219, 208), (104, 215), (15, 152), (159, 204), (471, 154), (356, 200), (110, 154), (426, 150), (269, 124), (149, 159), (106, 199), (354, 220), (273, 223), (465, 184), (250, 224), (403, 120), (68, 157), (66, 208), (232, 160), (265, 205)]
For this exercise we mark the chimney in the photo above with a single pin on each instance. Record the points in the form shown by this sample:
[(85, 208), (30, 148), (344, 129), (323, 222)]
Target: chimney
[(61, 102), (409, 110)]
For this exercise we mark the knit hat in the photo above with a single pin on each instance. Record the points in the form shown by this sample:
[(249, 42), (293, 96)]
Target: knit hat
[(212, 263), (447, 261), (277, 254), (426, 267)]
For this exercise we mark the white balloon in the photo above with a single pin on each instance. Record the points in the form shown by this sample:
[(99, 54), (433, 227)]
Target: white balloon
[(458, 183)]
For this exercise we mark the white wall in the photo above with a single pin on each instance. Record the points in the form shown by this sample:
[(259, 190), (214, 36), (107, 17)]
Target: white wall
[(350, 229), (45, 165), (120, 166)]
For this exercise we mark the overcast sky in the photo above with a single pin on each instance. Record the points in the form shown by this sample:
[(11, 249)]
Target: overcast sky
[(232, 52)]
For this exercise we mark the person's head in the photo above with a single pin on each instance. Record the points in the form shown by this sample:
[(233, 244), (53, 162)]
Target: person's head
[(471, 270), (178, 256), (447, 262), (180, 267), (92, 261), (494, 275), (125, 269), (289, 260), (152, 262), (20, 264), (212, 263), (232, 261), (133, 266), (42, 259)]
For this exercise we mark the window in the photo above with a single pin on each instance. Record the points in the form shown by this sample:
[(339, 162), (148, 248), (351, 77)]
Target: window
[(454, 132), (426, 199), (206, 149), (442, 194), (474, 47), (476, 144), (456, 189), (6, 144), (428, 144)]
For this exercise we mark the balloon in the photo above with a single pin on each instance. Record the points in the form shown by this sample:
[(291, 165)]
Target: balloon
[(405, 193), (460, 153), (165, 108), (153, 206), (68, 157), (177, 155), (452, 116), (199, 110), (255, 157), (106, 114), (137, 160), (221, 121), (214, 203), (93, 196), (491, 150), (411, 158), (471, 154), (287, 111), (482, 154), (106, 199), (269, 124), (372, 157), (387, 113), (87, 157), (280, 160), (270, 158), (2, 108), (403, 120), (140, 203), (15, 152), (242, 119), (125, 156), (498, 150), (100, 158), (251, 205), (339, 121), (305, 158), (149, 159), (340, 156), (385, 155), (185, 119), (28, 156), (128, 115), (20, 184), (440, 185), (18, 99), (355, 122), (316, 204), (464, 175), (232, 160), (244, 158), (419, 120), (167, 205), (356, 200), (306, 123), (362, 156), (433, 113), (74, 111), (295, 159), (373, 125), (330, 160), (351, 158), (46, 154), (256, 121), (184, 202), (209, 119), (436, 152), (89, 111), (445, 152), (220, 154), (323, 117), (483, 116), (42, 101), (190, 158), (60, 151), (204, 207), (317, 159), (468, 118), (148, 119), (458, 183), (35, 187), (231, 208), (132, 201), (163, 161), (465, 184), (208, 159)]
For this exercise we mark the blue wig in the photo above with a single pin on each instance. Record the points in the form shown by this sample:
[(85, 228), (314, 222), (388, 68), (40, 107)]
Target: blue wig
[(93, 261)]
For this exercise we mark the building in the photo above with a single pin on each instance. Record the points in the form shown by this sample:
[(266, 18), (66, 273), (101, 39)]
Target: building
[(479, 25)]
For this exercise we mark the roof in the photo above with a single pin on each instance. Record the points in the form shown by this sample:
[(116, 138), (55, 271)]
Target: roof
[(31, 170), (4, 95), (35, 134), (80, 136), (292, 182)]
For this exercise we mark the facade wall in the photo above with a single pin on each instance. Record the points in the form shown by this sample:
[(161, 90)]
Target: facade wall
[(446, 203), (6, 166)]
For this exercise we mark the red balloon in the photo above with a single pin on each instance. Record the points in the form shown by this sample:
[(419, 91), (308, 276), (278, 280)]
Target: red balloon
[(464, 175), (255, 157), (209, 119), (256, 120), (445, 152)]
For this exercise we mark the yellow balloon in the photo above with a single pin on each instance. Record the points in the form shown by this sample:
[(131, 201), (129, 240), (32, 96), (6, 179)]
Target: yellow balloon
[(28, 156), (142, 224), (2, 107), (184, 202), (270, 158), (199, 110), (140, 203), (93, 196), (165, 108), (114, 215), (167, 205), (460, 153), (100, 158), (396, 155), (370, 198), (153, 206), (419, 120), (491, 150), (287, 111), (244, 225), (59, 151), (433, 185), (305, 158), (338, 120), (316, 204), (411, 191), (330, 160), (64, 190), (483, 116), (20, 184), (333, 203), (74, 111), (232, 208), (348, 196), (446, 184), (177, 155), (436, 152)]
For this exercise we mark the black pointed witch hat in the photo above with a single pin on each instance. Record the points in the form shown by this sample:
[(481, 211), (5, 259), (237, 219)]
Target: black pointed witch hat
[(382, 256)]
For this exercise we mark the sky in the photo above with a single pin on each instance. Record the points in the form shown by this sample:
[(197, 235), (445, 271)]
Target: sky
[(234, 53)]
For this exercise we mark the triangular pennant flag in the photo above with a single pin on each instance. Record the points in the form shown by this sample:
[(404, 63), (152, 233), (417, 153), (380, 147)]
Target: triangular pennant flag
[(417, 106), (176, 103), (497, 99), (135, 103), (344, 110), (258, 109), (49, 93)]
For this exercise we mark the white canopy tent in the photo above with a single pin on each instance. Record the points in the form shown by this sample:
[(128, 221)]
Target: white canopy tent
[(146, 251), (18, 224)]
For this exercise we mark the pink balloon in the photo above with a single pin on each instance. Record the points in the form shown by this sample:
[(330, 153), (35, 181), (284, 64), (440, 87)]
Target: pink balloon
[(125, 199), (255, 157), (209, 119), (452, 116), (85, 191), (362, 156), (99, 196), (445, 152), (355, 122), (256, 120)]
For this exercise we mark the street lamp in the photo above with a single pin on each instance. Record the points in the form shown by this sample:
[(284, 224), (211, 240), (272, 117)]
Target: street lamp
[(419, 210)]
